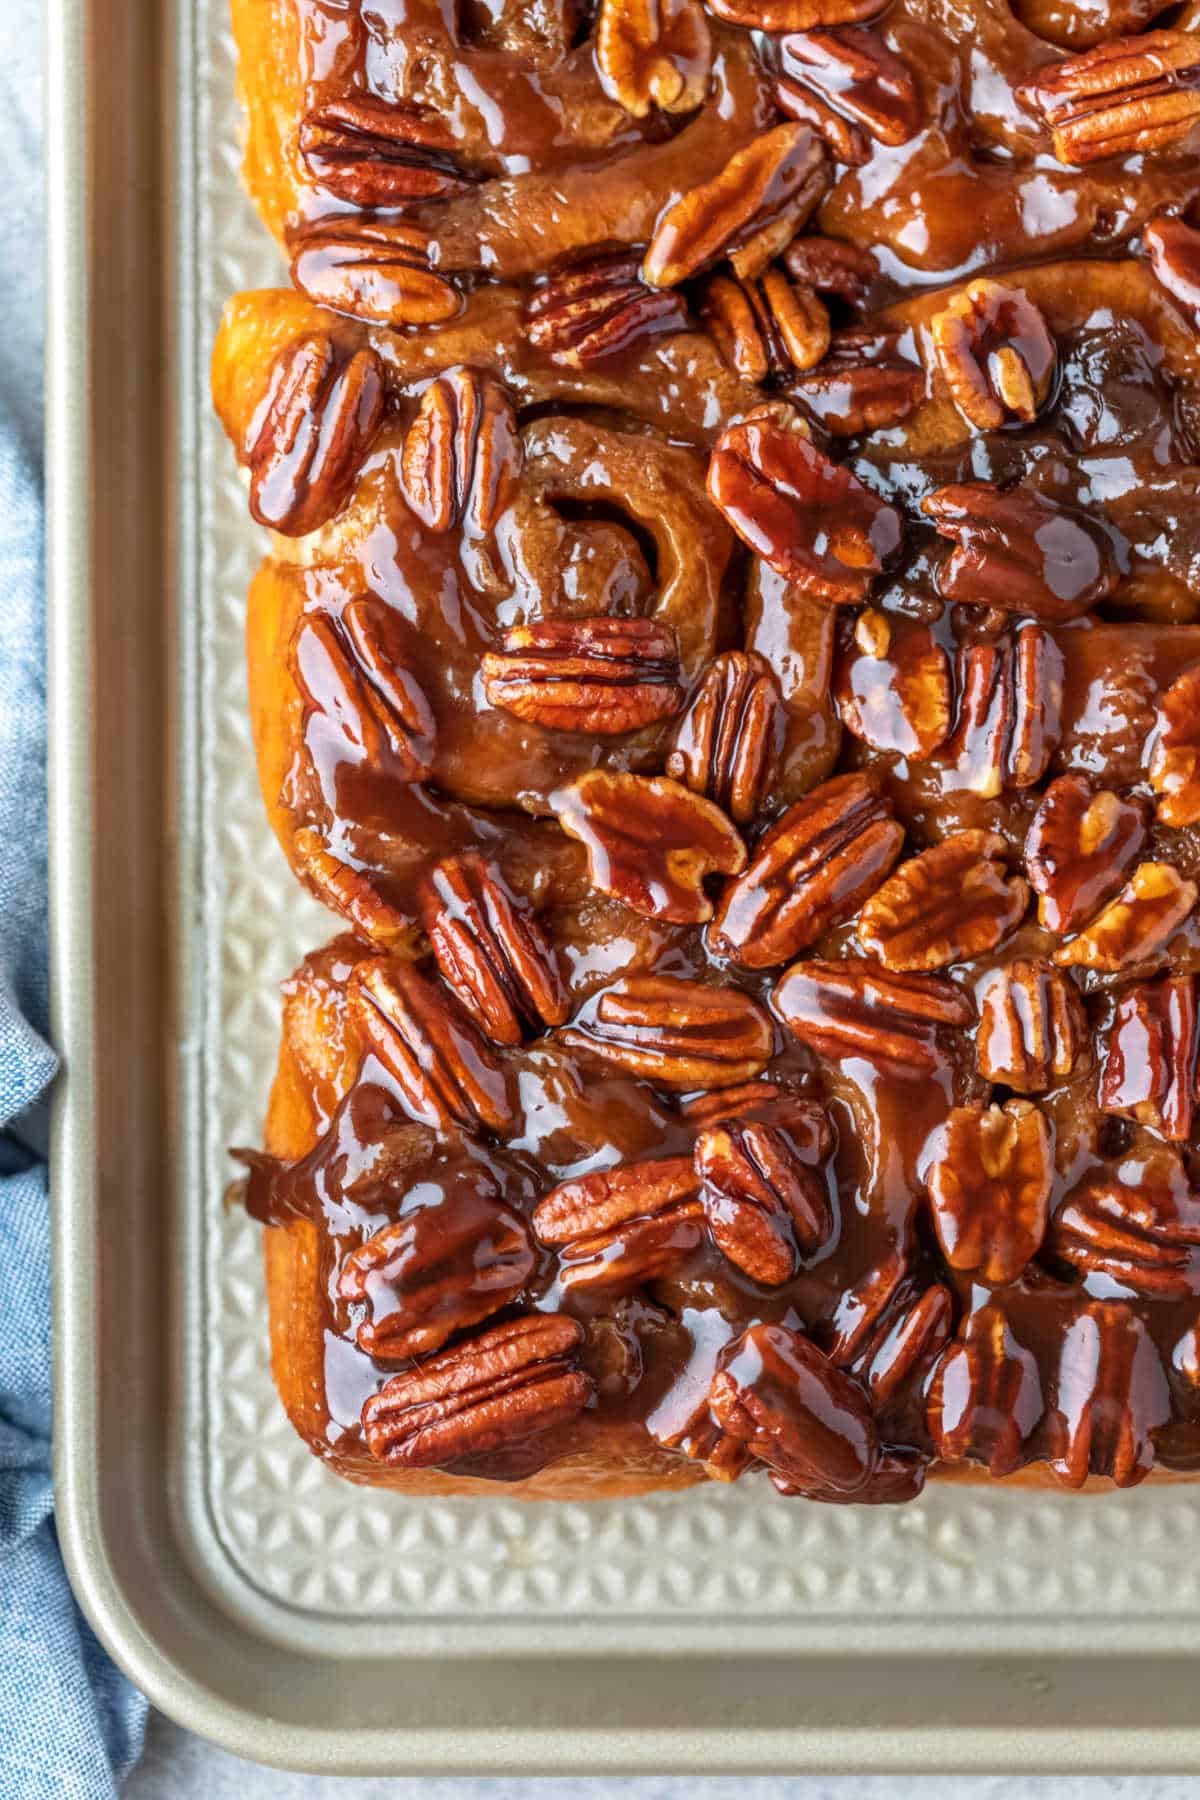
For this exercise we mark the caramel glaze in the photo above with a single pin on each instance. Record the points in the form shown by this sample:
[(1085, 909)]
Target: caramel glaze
[(611, 518)]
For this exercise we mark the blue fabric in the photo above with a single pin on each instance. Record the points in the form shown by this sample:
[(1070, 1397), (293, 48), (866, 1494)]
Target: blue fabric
[(70, 1725)]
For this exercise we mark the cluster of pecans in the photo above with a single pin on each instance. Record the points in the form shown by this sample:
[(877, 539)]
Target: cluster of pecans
[(757, 1185), (728, 255), (833, 941)]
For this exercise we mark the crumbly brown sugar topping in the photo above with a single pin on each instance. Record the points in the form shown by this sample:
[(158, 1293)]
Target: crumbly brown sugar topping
[(737, 680)]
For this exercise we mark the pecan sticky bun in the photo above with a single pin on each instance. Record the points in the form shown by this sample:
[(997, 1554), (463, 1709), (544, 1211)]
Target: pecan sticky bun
[(729, 658)]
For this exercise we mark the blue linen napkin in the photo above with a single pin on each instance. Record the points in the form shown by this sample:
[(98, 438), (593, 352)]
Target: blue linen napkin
[(70, 1724)]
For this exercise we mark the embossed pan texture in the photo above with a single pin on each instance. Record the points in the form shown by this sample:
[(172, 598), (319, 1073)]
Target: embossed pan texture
[(253, 1595)]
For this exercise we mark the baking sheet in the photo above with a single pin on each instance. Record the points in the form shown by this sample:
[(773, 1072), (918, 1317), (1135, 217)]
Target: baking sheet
[(253, 1594), (294, 1533)]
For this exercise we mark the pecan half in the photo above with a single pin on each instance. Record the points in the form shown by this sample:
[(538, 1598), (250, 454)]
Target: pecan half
[(1137, 1226), (701, 1438), (1020, 552), (792, 15), (438, 1269), (604, 675), (985, 1399), (852, 1009), (653, 53), (832, 267), (359, 695), (492, 954), (1110, 1395), (678, 1033), (879, 1292), (312, 433), (1079, 846), (381, 153), (902, 1343), (748, 211), (1009, 716), (1150, 1056), (619, 1227), (507, 1384), (767, 327), (850, 88), (1146, 913), (810, 518), (1032, 1026), (995, 355), (950, 903), (864, 384), (445, 1071), (1175, 757), (989, 1176), (599, 306), (650, 842), (804, 1121), (811, 870), (1173, 251), (765, 1102), (462, 455), (728, 742), (891, 686), (1134, 96), (349, 892), (321, 1036), (766, 1207), (373, 268), (786, 1402)]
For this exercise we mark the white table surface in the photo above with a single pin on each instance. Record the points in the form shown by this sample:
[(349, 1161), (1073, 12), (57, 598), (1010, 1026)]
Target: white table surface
[(178, 1766)]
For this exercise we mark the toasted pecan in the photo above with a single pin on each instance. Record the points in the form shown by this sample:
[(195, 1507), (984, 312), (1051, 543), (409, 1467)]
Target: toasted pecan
[(813, 868), (650, 842), (806, 516), (311, 433), (507, 1384), (680, 1033), (603, 675)]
